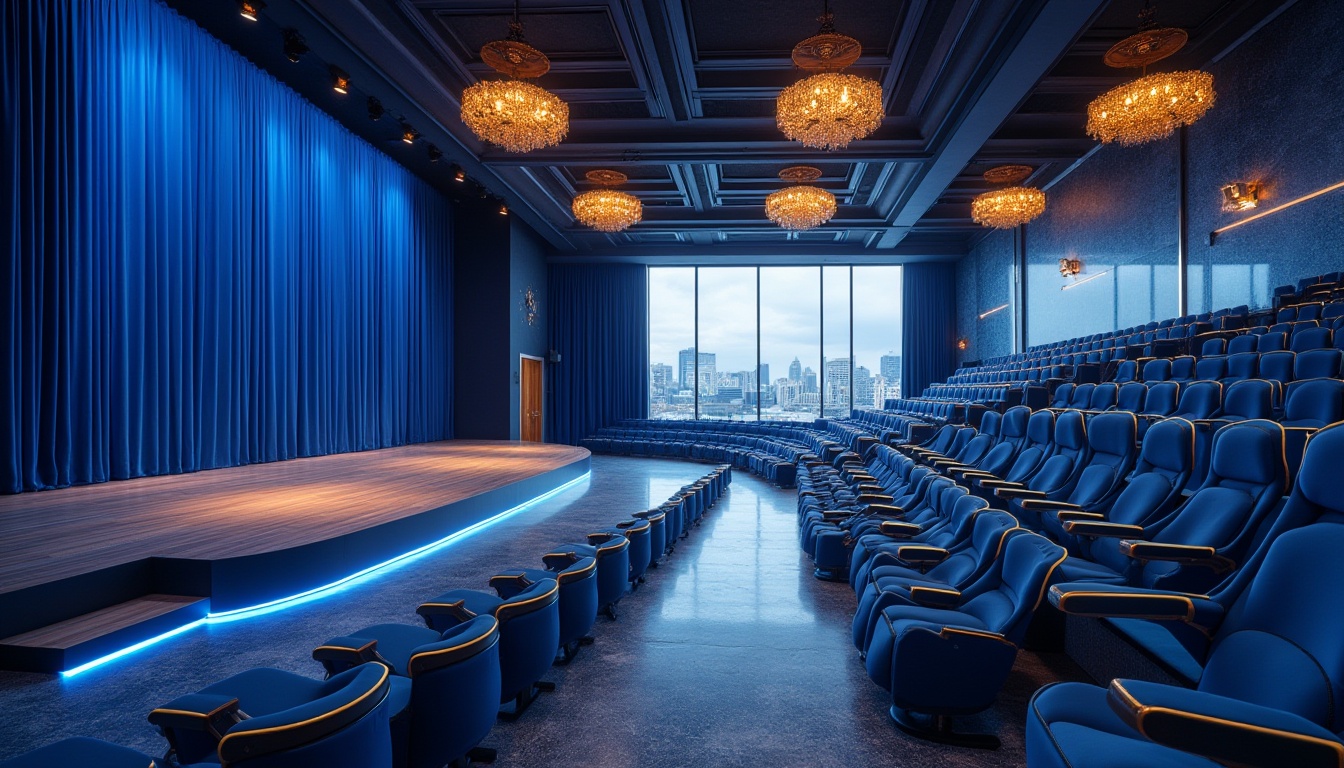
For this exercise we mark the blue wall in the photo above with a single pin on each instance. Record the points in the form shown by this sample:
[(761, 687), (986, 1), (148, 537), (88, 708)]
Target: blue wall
[(202, 268), (527, 269), (1280, 102), (985, 281), (482, 320)]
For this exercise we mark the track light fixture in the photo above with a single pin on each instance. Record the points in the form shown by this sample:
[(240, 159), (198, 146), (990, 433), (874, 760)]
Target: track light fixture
[(251, 9), (408, 134), (503, 209), (460, 176), (435, 154), (295, 46), (376, 110), (340, 81)]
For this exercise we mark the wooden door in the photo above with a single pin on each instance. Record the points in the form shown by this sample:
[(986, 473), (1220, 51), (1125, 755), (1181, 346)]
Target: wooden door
[(529, 404)]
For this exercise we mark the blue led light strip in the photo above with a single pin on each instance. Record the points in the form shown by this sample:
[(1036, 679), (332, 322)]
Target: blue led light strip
[(334, 587)]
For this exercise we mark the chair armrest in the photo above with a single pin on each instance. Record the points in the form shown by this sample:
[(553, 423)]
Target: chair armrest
[(1227, 731), (836, 514), (456, 610), (945, 463), (874, 498), (871, 487), (921, 554), (935, 597), (341, 653), (899, 530), (1176, 553), (1046, 504), (1117, 601), (210, 714), (970, 472), (1100, 528), (1014, 492), (559, 561), (885, 510), (1065, 515), (994, 482)]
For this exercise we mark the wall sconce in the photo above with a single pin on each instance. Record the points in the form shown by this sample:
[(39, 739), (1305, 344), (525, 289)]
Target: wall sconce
[(1240, 196), (1070, 267), (963, 344)]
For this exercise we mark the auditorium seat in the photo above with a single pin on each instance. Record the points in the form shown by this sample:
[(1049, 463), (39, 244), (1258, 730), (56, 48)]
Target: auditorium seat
[(529, 634), (637, 531), (1216, 346), (1271, 342), (1311, 338), (1152, 490), (1314, 403), (1199, 400), (612, 553), (1017, 460), (1126, 371), (1157, 370), (1246, 400), (1317, 364), (1242, 366), (1112, 449), (1246, 342), (1271, 662), (577, 578), (1210, 368), (950, 653), (1277, 367), (83, 752), (1182, 369), (270, 718), (453, 679)]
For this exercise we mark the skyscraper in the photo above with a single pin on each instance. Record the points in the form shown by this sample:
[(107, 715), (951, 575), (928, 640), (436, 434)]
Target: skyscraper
[(809, 378), (864, 395), (891, 367), (795, 370), (686, 371), (660, 378)]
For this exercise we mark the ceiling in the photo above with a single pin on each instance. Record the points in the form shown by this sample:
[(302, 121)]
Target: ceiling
[(679, 95)]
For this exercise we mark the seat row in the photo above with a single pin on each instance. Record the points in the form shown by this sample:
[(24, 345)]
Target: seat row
[(410, 696), (769, 452)]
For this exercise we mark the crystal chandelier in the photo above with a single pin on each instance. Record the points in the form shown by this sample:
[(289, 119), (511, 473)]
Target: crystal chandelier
[(829, 110), (514, 114), (1008, 207), (800, 207), (1153, 106), (607, 209)]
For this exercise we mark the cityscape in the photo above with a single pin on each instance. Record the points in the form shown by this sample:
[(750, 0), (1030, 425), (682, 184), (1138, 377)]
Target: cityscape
[(798, 396)]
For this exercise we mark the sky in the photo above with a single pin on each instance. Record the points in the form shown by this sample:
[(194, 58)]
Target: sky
[(790, 304)]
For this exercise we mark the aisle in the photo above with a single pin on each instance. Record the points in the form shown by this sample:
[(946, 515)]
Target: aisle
[(731, 654)]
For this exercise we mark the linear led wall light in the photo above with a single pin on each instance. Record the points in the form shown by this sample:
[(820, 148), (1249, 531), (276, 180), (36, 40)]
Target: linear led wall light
[(1213, 236), (1087, 279), (987, 313)]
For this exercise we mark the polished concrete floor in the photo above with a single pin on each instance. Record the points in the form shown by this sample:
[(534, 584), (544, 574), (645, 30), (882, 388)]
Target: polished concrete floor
[(731, 654)]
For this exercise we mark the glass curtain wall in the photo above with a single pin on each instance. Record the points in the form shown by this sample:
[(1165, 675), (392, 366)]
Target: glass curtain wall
[(773, 343)]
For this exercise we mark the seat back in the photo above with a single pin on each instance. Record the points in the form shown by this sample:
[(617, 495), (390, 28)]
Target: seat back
[(1005, 598), (1059, 472), (1157, 370), (345, 726), (529, 631), (1082, 395), (1012, 438), (1211, 368), (1249, 399), (1242, 366), (1243, 343), (1130, 397), (1200, 400), (1271, 342), (455, 694), (1277, 366), (1063, 394), (1103, 397), (1213, 347), (1182, 368), (1311, 338), (1317, 364), (1112, 440), (1313, 403), (1040, 442), (1126, 371), (1161, 398), (1163, 468)]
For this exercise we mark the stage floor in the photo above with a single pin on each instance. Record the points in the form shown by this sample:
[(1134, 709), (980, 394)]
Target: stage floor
[(243, 511)]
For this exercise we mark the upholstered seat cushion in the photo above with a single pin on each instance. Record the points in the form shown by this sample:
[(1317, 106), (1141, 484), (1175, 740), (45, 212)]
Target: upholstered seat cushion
[(1071, 724), (396, 642), (81, 753)]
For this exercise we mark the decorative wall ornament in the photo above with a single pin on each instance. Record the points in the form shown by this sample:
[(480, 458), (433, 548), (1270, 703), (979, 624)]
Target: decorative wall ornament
[(530, 305)]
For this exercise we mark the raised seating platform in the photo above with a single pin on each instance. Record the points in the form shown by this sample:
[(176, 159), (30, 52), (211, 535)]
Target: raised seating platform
[(86, 571)]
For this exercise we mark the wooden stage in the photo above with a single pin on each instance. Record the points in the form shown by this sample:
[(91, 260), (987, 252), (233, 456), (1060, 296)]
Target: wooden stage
[(244, 535)]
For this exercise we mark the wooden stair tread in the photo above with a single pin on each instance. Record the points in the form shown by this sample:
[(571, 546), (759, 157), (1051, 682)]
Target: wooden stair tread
[(90, 626)]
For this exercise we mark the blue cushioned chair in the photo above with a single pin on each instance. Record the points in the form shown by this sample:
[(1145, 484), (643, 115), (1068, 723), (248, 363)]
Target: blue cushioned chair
[(612, 552), (1126, 371), (454, 681), (1063, 394), (1057, 474), (529, 634), (1242, 366), (1210, 368), (1112, 449), (577, 577), (1199, 400), (1269, 690), (1318, 364), (1157, 370), (1277, 367), (1182, 369), (81, 752), (269, 718), (1243, 343), (1130, 397), (950, 653)]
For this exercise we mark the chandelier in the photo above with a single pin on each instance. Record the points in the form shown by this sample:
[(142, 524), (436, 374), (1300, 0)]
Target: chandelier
[(514, 114), (829, 110), (800, 207), (1153, 106), (607, 209), (1006, 208)]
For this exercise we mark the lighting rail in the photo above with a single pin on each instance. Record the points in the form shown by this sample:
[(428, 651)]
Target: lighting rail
[(1087, 279), (327, 590), (1213, 236), (987, 313)]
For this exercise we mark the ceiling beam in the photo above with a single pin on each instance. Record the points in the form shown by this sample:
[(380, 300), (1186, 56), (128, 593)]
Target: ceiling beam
[(1054, 28)]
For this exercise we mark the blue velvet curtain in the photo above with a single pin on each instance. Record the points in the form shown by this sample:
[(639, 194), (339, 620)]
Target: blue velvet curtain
[(929, 329), (599, 323), (201, 268)]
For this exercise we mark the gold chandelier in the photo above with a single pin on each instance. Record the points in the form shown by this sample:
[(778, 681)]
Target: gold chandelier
[(829, 110), (607, 209), (514, 114), (1008, 207), (1153, 106), (800, 207)]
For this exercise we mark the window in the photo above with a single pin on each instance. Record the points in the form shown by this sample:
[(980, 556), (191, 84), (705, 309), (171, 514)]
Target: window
[(773, 343)]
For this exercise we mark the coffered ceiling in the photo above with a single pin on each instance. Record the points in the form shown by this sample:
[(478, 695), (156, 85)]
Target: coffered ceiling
[(680, 96)]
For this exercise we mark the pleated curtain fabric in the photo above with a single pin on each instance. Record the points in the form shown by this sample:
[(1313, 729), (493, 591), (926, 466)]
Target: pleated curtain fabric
[(202, 269), (599, 324), (929, 329)]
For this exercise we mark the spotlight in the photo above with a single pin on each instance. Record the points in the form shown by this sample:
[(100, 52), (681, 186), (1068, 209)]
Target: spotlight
[(435, 154), (295, 46), (251, 9), (460, 176), (340, 82), (1241, 196), (375, 108), (409, 134), (503, 210)]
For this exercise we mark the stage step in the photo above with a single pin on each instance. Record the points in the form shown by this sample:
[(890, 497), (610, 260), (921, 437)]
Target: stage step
[(68, 644)]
